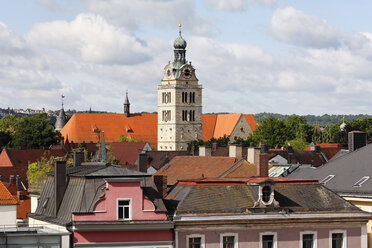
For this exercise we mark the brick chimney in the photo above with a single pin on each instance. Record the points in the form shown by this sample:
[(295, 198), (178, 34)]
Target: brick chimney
[(59, 184), (142, 162), (205, 151), (161, 184), (262, 162), (356, 140), (78, 158), (12, 179), (236, 151)]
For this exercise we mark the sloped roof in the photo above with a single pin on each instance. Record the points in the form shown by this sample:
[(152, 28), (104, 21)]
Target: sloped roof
[(251, 121), (347, 170), (299, 157), (209, 124), (239, 196), (85, 189), (191, 167), (329, 149), (158, 159), (20, 159), (81, 127), (142, 127), (225, 124), (6, 197), (127, 152)]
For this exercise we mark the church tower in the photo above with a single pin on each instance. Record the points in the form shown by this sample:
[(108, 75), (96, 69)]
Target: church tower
[(61, 118), (179, 102)]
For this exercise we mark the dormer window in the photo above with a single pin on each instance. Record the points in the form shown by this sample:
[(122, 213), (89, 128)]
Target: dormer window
[(124, 209), (266, 195), (266, 192)]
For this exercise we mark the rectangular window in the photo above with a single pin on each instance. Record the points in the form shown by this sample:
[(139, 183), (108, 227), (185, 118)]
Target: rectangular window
[(124, 211), (337, 240), (267, 241), (307, 240), (228, 240), (195, 242)]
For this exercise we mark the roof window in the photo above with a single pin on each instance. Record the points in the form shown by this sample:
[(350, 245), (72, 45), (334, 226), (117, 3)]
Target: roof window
[(361, 181), (327, 179)]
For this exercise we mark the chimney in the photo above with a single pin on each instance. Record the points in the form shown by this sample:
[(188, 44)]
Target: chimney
[(142, 162), (262, 162), (161, 184), (214, 146), (356, 140), (12, 179), (317, 149), (252, 154), (235, 151), (290, 153), (205, 151), (59, 184), (78, 158), (19, 187)]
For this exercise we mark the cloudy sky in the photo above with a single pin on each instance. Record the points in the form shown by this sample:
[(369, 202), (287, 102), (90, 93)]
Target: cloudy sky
[(251, 56)]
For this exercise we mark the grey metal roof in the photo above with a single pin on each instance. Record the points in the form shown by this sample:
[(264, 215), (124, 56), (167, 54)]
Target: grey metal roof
[(86, 186), (234, 199), (347, 170)]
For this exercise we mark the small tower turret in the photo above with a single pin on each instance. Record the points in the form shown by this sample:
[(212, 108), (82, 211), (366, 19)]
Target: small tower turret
[(126, 105), (61, 118)]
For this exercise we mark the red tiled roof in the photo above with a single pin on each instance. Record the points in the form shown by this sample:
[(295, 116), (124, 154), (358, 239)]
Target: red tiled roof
[(245, 180), (251, 121), (209, 123), (19, 160), (6, 197), (127, 153), (329, 149), (81, 127), (187, 167), (225, 124)]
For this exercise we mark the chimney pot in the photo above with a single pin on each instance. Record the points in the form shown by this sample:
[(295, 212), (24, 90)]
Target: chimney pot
[(78, 158), (142, 162), (236, 151), (205, 151), (262, 162), (59, 184), (12, 179)]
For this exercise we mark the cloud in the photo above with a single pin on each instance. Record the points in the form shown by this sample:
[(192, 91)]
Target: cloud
[(135, 15), (295, 27), (237, 5), (91, 39)]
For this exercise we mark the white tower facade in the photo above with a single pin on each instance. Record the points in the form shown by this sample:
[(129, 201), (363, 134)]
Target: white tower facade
[(179, 102)]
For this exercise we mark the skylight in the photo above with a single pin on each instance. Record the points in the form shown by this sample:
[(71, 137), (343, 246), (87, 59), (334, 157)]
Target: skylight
[(327, 179), (361, 181)]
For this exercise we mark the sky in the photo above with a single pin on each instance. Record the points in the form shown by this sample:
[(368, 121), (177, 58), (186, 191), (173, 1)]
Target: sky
[(251, 56)]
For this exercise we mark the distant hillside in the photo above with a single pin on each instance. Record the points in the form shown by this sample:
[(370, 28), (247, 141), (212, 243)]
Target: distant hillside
[(323, 120)]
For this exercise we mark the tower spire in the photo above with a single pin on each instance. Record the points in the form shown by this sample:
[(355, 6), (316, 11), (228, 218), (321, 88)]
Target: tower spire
[(61, 118), (179, 50), (126, 105)]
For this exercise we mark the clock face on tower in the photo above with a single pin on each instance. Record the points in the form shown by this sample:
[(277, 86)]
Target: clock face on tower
[(186, 72)]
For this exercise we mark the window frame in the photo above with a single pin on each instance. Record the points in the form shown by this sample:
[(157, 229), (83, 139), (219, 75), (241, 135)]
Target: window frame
[(275, 239), (327, 179), (361, 181), (130, 208), (236, 239), (201, 236), (315, 238), (344, 237)]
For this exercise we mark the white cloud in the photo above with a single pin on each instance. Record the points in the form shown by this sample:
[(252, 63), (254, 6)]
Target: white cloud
[(297, 28), (238, 5), (91, 39)]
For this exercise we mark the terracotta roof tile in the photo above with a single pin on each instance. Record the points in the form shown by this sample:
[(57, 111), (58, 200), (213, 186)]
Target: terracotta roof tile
[(127, 153), (225, 124), (187, 167), (251, 121), (6, 197), (81, 127), (209, 123)]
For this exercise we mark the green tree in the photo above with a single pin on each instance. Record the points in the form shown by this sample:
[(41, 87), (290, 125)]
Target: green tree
[(297, 128), (272, 132), (34, 132), (363, 124)]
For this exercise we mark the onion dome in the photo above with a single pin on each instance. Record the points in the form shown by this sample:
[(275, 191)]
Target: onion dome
[(179, 43)]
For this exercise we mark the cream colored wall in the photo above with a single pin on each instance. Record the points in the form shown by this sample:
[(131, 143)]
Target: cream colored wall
[(175, 133), (366, 205), (65, 242), (8, 215)]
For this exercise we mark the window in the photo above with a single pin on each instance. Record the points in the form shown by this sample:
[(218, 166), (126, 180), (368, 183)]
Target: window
[(327, 179), (338, 239), (361, 181), (124, 209), (308, 239), (195, 241), (229, 240), (266, 192), (268, 240)]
